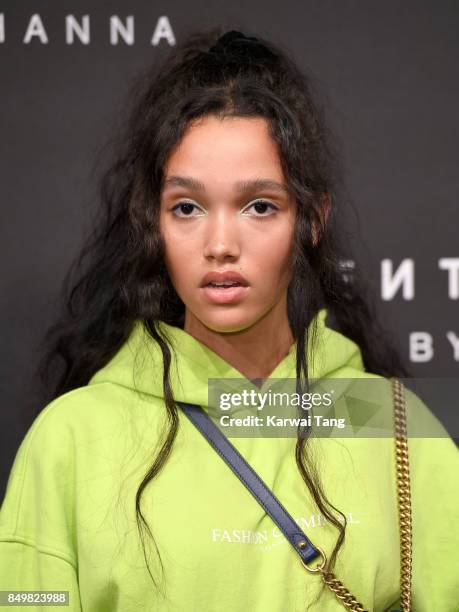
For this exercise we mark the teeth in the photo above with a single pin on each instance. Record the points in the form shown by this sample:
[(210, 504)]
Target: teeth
[(224, 284)]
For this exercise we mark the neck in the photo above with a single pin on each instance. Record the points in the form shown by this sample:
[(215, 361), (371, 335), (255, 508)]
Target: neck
[(254, 351)]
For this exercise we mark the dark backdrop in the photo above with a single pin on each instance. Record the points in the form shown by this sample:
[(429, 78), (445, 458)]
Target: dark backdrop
[(389, 73)]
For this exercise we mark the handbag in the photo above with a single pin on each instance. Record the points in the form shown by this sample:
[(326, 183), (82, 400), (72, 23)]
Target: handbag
[(294, 534)]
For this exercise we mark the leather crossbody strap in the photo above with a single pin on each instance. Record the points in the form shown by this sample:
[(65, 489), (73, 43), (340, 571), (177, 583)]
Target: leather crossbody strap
[(252, 481)]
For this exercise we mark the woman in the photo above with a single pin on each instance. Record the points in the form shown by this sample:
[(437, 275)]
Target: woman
[(225, 175)]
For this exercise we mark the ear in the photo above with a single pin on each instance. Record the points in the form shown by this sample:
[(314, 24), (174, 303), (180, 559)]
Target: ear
[(325, 208)]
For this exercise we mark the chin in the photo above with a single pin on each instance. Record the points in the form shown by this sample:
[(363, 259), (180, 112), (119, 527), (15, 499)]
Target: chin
[(228, 324)]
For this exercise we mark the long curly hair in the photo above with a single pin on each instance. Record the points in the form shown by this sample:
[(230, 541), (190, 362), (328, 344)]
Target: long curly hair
[(120, 274)]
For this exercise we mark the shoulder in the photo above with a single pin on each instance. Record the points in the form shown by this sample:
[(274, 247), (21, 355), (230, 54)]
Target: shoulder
[(375, 395), (80, 427), (433, 462), (79, 440), (84, 414), (369, 406)]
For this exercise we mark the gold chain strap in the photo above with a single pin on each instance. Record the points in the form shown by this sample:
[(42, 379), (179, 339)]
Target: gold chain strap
[(404, 504), (346, 598), (404, 494)]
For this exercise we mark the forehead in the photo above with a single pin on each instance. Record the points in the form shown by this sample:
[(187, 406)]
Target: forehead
[(232, 146)]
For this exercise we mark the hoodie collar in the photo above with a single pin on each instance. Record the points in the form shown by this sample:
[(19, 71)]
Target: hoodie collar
[(138, 364)]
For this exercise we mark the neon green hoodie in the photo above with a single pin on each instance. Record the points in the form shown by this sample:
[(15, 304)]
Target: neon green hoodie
[(68, 519)]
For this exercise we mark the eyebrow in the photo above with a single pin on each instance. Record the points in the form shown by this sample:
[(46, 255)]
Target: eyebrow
[(239, 186)]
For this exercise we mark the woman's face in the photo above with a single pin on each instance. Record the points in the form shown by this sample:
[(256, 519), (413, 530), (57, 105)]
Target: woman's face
[(225, 208)]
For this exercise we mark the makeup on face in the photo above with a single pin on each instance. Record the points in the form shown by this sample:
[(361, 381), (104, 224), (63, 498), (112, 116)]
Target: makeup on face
[(227, 220)]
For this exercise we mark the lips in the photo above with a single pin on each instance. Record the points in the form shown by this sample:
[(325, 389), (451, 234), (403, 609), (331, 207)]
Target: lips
[(236, 288), (228, 277)]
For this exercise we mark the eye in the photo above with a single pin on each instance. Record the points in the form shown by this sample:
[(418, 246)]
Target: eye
[(184, 207), (261, 207)]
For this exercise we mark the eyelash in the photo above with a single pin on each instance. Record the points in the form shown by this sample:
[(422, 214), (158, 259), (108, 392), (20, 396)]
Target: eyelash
[(179, 204)]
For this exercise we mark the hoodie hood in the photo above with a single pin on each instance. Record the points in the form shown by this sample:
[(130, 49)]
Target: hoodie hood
[(138, 364)]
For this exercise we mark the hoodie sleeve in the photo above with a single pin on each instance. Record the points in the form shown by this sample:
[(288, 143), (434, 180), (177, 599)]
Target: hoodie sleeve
[(36, 517), (434, 470)]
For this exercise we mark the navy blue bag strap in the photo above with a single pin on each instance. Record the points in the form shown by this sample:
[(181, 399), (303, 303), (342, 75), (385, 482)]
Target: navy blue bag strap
[(297, 538)]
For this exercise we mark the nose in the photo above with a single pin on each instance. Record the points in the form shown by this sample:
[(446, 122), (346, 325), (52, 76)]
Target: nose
[(222, 238)]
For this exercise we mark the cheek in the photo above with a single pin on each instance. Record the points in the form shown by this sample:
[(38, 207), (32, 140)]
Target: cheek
[(272, 257), (181, 257)]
